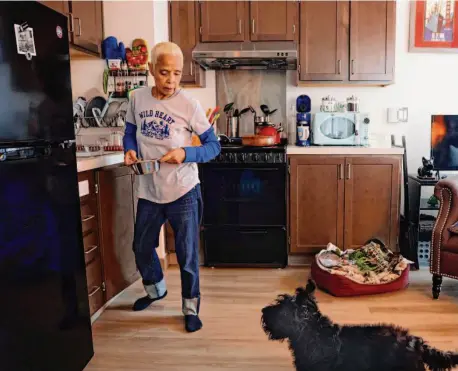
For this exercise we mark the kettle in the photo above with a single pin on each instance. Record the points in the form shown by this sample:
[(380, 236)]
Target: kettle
[(271, 131)]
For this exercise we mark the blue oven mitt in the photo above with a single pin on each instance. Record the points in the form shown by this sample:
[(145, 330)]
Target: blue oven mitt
[(112, 50)]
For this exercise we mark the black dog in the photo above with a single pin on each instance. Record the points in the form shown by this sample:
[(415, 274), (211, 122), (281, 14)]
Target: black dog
[(318, 344)]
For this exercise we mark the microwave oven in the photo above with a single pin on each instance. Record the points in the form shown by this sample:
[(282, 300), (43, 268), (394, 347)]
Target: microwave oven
[(340, 129)]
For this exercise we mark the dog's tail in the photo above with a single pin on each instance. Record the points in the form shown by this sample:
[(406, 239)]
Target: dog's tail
[(436, 359)]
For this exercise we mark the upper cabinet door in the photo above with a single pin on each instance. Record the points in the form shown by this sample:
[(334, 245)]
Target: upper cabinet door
[(372, 40), (324, 40), (222, 21), (273, 20), (183, 33), (87, 25), (60, 6)]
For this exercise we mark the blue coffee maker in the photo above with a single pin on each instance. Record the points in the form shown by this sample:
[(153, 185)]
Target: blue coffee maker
[(303, 117)]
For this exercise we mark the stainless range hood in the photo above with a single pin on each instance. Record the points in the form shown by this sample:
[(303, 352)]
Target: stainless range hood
[(278, 55)]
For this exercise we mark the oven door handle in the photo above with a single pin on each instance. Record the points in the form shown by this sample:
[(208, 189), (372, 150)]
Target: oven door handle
[(254, 232)]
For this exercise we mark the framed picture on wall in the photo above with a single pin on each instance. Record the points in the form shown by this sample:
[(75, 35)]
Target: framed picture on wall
[(433, 26)]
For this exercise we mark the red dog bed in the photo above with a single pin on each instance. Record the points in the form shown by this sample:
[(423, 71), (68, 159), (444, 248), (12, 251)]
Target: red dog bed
[(341, 286)]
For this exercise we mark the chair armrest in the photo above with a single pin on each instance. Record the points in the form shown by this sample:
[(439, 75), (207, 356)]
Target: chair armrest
[(446, 190)]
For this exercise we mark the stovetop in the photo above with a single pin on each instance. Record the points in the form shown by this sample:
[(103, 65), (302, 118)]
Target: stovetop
[(239, 154), (248, 149)]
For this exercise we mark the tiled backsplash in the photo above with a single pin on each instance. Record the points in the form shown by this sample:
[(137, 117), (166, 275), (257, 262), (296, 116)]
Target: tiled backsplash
[(251, 88)]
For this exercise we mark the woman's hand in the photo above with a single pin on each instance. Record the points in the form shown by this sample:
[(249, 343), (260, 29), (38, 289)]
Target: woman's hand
[(130, 157), (175, 156)]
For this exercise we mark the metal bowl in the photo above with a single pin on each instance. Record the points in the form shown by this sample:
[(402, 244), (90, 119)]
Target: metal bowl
[(146, 167)]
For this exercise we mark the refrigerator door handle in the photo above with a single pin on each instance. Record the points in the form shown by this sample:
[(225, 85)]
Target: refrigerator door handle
[(72, 23), (80, 31)]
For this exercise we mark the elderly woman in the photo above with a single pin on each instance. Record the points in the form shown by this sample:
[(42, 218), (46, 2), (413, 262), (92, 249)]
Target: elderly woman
[(159, 125)]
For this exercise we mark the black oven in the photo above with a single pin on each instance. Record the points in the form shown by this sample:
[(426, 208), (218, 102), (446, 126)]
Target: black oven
[(244, 219)]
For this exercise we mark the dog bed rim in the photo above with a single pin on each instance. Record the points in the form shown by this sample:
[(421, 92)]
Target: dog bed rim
[(359, 283)]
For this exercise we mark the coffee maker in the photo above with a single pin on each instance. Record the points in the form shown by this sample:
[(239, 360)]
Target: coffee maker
[(303, 118)]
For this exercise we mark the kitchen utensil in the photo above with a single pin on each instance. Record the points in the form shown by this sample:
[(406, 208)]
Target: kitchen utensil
[(232, 126), (215, 111), (242, 112), (258, 140), (265, 109), (228, 107), (215, 119), (145, 167)]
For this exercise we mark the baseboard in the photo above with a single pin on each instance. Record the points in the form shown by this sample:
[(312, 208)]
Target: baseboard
[(300, 260)]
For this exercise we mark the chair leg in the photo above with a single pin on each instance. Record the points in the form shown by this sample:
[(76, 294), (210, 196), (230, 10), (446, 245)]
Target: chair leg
[(437, 283)]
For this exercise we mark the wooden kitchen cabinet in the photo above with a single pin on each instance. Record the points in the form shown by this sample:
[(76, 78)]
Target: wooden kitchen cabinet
[(59, 6), (107, 217), (351, 42), (324, 43), (91, 242), (87, 25), (372, 40), (223, 21), (316, 202), (248, 20), (345, 200), (116, 223), (273, 20), (372, 186), (183, 20)]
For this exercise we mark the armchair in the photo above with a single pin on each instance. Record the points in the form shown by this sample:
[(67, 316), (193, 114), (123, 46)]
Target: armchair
[(444, 243)]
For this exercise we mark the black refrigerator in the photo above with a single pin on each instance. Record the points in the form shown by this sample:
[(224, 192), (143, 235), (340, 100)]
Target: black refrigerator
[(44, 311)]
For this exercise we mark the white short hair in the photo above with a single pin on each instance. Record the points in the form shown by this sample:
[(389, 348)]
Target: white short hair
[(166, 47)]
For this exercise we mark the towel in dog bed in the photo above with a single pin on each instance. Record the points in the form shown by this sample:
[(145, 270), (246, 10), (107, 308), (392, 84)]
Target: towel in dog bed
[(372, 269)]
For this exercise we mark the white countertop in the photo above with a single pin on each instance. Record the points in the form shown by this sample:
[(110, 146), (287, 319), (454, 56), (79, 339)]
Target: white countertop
[(90, 163), (375, 149)]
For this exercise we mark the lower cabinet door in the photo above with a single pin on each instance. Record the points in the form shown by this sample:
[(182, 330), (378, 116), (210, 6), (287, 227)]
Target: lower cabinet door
[(316, 203), (372, 186), (116, 206)]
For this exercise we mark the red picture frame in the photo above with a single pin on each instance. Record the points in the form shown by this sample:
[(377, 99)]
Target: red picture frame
[(425, 17)]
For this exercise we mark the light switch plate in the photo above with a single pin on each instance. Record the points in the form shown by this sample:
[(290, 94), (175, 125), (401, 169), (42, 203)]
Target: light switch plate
[(397, 114)]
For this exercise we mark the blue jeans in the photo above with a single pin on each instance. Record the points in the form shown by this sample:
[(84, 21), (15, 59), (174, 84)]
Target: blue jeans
[(185, 216)]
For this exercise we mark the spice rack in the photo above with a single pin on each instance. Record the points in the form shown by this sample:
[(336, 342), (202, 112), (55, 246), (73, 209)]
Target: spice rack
[(121, 81)]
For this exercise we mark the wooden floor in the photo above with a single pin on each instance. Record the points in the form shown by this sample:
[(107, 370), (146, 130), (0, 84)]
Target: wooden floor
[(232, 337)]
